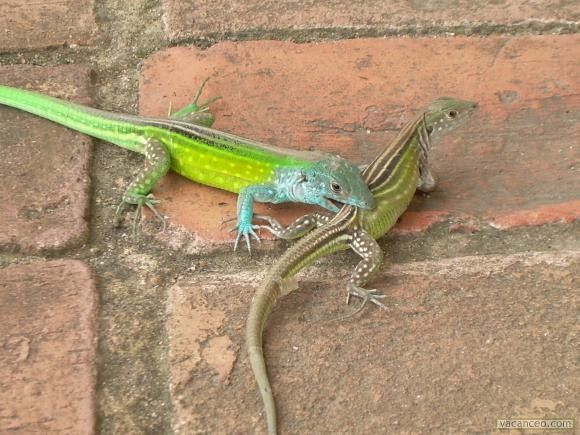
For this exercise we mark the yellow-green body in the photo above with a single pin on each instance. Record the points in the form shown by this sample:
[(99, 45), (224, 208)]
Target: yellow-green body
[(198, 153)]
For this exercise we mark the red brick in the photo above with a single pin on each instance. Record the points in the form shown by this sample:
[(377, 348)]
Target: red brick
[(45, 167), (194, 19), (46, 23), (464, 342), (560, 213), (517, 156), (47, 348), (196, 341)]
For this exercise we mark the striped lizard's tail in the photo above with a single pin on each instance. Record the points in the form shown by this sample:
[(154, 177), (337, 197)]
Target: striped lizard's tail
[(280, 281), (277, 284), (260, 309)]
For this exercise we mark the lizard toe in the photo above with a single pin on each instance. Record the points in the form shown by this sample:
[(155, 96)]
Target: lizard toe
[(367, 296), (247, 232)]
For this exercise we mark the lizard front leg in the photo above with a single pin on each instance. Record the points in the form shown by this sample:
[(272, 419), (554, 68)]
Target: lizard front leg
[(245, 210), (157, 163), (372, 256), (296, 229), (426, 182), (271, 192)]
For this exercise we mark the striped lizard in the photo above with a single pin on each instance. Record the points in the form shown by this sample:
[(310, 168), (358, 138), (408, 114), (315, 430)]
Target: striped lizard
[(258, 172), (392, 178)]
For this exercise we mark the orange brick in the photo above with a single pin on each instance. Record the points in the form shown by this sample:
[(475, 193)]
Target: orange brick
[(465, 341), (47, 348), (186, 19), (46, 23), (45, 167)]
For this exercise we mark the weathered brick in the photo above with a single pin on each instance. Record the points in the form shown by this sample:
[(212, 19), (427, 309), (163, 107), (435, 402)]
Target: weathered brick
[(45, 167), (46, 23), (465, 341), (204, 17), (47, 348), (514, 164)]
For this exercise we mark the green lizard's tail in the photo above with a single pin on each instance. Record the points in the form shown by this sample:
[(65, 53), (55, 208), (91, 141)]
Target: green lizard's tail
[(119, 129)]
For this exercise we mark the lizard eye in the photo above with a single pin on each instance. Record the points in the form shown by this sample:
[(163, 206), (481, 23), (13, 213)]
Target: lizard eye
[(452, 114), (335, 187)]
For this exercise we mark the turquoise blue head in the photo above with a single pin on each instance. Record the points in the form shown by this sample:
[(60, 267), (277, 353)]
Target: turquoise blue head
[(338, 180)]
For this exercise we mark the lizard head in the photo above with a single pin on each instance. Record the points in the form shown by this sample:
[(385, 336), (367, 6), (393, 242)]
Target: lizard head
[(446, 114), (336, 179)]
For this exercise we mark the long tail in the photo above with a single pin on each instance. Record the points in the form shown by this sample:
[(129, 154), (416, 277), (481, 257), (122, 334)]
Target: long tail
[(322, 241), (119, 129), (272, 289)]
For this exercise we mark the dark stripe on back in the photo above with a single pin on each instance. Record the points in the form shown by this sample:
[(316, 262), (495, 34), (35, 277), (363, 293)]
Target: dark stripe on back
[(381, 169), (209, 136)]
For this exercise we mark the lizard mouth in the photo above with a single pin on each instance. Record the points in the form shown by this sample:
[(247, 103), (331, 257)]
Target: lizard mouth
[(336, 203), (362, 205), (340, 205)]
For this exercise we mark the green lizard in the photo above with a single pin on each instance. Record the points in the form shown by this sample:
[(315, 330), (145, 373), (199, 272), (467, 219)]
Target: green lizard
[(392, 178), (258, 172)]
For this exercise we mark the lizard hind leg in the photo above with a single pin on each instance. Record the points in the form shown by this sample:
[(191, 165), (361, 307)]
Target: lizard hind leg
[(372, 255), (157, 163), (196, 112)]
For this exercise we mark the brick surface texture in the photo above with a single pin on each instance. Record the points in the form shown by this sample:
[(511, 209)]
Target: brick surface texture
[(186, 18), (457, 325), (515, 164), (47, 348), (45, 167), (160, 348), (45, 23)]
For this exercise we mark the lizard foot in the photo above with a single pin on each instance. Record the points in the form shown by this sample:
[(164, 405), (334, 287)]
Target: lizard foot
[(195, 112), (140, 201), (366, 296), (246, 231)]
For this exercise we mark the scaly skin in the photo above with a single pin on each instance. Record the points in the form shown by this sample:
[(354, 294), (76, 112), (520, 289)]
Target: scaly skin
[(392, 178), (258, 172)]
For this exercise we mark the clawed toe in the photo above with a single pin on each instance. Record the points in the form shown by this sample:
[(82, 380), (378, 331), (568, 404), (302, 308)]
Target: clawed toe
[(246, 232), (366, 296), (140, 201)]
